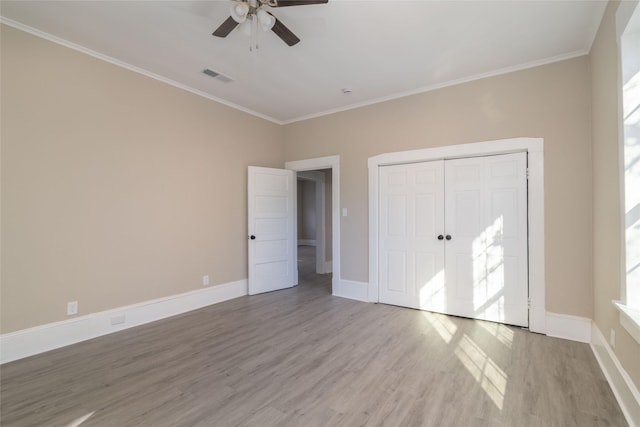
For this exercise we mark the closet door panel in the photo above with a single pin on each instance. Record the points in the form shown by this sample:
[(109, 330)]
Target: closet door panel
[(397, 271), (432, 294), (463, 222), (411, 217), (506, 188), (486, 258)]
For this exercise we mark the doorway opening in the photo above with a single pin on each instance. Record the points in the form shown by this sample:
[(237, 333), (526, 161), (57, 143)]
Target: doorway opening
[(318, 224), (314, 224)]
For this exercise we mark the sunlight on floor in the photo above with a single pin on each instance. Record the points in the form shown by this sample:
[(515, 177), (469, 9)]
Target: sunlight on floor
[(443, 326), (80, 420), (491, 378), (482, 368), (502, 333), (488, 272)]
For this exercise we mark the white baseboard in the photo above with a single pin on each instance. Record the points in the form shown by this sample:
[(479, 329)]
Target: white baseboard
[(623, 387), (328, 267), (28, 342), (569, 327), (306, 242), (351, 289)]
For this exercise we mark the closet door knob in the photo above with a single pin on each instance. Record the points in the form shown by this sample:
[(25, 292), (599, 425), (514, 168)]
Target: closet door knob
[(252, 237), (448, 237), (440, 237)]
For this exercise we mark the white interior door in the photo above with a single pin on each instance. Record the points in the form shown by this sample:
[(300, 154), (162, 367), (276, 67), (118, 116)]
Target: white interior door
[(478, 269), (486, 222), (272, 229), (412, 218)]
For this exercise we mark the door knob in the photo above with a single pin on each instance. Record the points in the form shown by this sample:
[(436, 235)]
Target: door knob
[(448, 237), (252, 237), (440, 237)]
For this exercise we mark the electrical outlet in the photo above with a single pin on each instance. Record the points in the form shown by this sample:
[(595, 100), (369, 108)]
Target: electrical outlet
[(205, 280), (612, 339), (72, 308)]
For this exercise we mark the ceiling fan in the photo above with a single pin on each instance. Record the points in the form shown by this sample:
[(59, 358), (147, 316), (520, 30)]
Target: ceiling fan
[(252, 11)]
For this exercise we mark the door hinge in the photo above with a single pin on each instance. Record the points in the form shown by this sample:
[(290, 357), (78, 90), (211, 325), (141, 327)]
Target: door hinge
[(528, 302), (527, 173)]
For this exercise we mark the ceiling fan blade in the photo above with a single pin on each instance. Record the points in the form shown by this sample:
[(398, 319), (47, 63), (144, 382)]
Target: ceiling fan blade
[(284, 3), (225, 28), (284, 33)]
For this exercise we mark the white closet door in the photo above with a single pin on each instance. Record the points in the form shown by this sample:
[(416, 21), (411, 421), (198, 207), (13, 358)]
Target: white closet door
[(411, 218), (486, 220)]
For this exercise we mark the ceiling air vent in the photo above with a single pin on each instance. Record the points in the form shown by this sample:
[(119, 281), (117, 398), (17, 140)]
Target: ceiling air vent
[(217, 75)]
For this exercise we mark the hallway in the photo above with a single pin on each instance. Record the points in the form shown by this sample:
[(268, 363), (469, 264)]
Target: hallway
[(307, 269)]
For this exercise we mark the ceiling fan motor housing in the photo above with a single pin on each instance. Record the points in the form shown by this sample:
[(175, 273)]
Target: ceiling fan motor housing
[(243, 9)]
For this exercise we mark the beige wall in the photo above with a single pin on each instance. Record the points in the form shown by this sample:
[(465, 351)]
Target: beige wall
[(607, 213), (550, 101), (116, 188)]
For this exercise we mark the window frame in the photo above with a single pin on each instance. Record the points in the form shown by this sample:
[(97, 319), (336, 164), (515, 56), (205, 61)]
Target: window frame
[(629, 312)]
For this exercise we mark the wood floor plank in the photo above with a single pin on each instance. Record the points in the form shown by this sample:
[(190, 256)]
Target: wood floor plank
[(301, 357)]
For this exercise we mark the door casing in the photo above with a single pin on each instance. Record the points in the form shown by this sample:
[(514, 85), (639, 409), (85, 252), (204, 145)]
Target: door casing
[(333, 163)]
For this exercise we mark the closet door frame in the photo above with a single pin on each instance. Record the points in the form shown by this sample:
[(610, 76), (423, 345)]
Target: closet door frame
[(534, 147)]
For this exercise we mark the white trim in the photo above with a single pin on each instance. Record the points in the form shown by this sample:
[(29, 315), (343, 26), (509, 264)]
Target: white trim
[(622, 385), (27, 342), (624, 14), (306, 242), (313, 164), (537, 285), (328, 267), (629, 319), (333, 163), (436, 86), (535, 149), (130, 67), (574, 328), (352, 290)]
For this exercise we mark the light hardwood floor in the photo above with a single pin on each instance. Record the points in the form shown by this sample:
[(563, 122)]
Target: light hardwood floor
[(301, 357)]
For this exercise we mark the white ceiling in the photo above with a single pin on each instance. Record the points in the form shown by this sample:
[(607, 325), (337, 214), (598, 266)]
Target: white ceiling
[(380, 49)]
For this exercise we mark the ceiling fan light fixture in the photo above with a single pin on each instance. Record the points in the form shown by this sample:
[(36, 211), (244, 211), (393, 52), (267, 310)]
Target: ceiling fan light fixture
[(266, 20), (245, 27), (249, 14), (239, 12)]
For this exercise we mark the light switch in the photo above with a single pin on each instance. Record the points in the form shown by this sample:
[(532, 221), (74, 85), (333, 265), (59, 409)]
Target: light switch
[(344, 211)]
